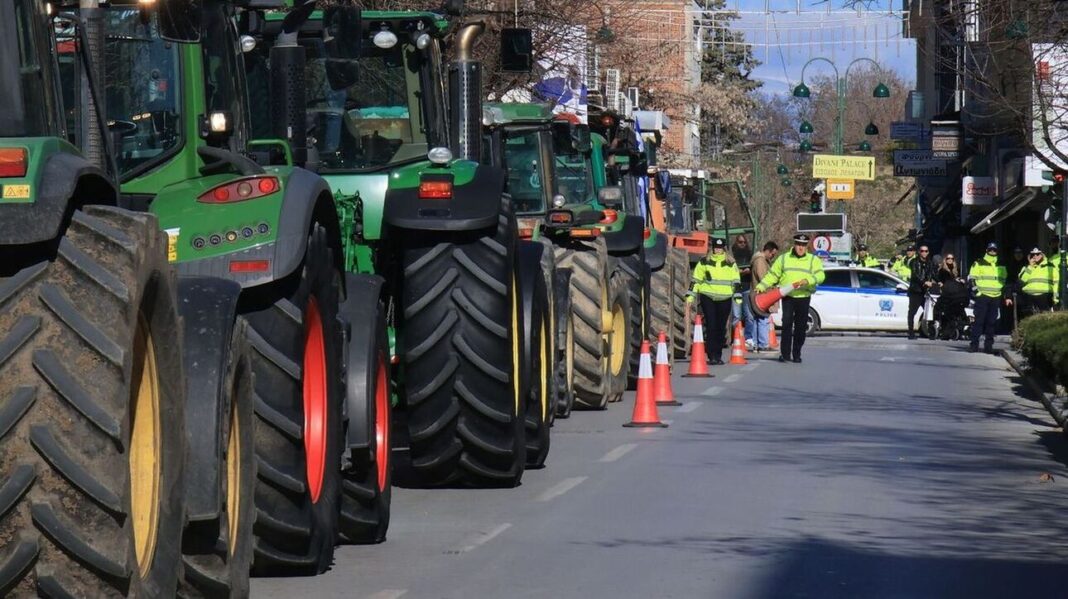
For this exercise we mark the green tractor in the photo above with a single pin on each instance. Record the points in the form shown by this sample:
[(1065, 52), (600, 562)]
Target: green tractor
[(417, 209), (568, 210), (259, 254), (92, 390), (649, 271)]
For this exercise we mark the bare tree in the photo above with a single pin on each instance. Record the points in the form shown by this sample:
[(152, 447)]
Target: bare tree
[(1010, 59)]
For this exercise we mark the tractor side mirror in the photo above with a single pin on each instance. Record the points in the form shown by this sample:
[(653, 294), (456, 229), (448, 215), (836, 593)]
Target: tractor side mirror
[(562, 139), (517, 49), (180, 20)]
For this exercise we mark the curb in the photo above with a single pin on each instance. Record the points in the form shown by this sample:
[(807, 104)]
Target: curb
[(1038, 386)]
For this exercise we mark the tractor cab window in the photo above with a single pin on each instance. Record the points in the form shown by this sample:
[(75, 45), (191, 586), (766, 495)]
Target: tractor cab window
[(143, 86), (27, 99), (574, 178), (223, 71), (522, 159), (369, 120)]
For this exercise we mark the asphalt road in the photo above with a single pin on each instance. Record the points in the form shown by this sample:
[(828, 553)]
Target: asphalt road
[(878, 468)]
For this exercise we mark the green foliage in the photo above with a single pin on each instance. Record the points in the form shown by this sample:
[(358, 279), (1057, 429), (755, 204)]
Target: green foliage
[(1042, 342), (726, 66)]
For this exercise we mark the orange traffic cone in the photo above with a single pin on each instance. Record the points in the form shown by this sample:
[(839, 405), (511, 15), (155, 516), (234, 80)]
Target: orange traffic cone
[(698, 359), (645, 415), (662, 375), (738, 345), (773, 340)]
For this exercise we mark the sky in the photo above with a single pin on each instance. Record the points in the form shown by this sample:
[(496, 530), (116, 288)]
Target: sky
[(794, 37)]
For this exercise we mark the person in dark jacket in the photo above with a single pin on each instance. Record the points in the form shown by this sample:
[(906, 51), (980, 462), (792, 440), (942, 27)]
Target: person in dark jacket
[(921, 277)]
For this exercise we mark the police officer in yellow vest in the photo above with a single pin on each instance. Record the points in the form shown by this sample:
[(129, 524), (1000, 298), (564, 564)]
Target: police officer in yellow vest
[(1039, 282), (865, 259), (803, 272), (715, 281), (903, 268), (988, 277)]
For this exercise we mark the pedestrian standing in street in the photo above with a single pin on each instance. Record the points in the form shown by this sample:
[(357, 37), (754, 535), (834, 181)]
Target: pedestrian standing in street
[(757, 328), (742, 255), (804, 272), (921, 278), (865, 259), (1039, 283), (715, 281), (1019, 261), (988, 277)]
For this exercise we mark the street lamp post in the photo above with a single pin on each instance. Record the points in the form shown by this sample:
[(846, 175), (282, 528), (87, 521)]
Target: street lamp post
[(841, 87)]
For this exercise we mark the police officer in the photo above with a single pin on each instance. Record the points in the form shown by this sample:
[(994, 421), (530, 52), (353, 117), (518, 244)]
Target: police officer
[(903, 268), (803, 272), (1039, 282), (988, 277), (715, 281), (865, 259)]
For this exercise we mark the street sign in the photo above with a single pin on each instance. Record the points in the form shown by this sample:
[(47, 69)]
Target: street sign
[(839, 247), (840, 189), (978, 191), (945, 139), (826, 166), (918, 163), (821, 243), (907, 131), (822, 222)]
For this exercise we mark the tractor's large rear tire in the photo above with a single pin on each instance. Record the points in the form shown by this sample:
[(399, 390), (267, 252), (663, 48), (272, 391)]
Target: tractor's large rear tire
[(538, 384), (366, 488), (588, 293), (92, 441), (682, 323), (636, 275), (620, 335), (661, 309), (459, 343), (217, 555), (295, 336)]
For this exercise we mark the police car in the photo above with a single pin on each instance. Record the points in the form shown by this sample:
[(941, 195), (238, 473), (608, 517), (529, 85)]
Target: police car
[(857, 299)]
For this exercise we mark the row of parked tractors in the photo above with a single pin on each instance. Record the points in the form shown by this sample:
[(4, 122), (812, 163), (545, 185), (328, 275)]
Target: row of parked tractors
[(247, 247)]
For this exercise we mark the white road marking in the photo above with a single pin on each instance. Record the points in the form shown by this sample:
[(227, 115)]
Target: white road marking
[(618, 452), (561, 487), (712, 391), (732, 378), (389, 594), (689, 407), (667, 422), (486, 538), (751, 366)]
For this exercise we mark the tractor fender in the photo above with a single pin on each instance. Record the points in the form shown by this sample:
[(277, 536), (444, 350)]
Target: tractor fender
[(301, 206), (66, 182), (628, 239), (208, 307), (529, 257), (656, 254), (473, 206), (306, 200), (363, 324)]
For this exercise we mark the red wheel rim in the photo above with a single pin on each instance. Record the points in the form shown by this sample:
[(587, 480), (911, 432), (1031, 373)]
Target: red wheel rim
[(382, 423), (315, 415)]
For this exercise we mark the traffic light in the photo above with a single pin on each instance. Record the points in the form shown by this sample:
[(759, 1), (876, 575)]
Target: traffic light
[(814, 202)]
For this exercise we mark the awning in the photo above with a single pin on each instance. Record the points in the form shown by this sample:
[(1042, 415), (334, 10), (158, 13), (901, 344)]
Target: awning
[(1009, 207)]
